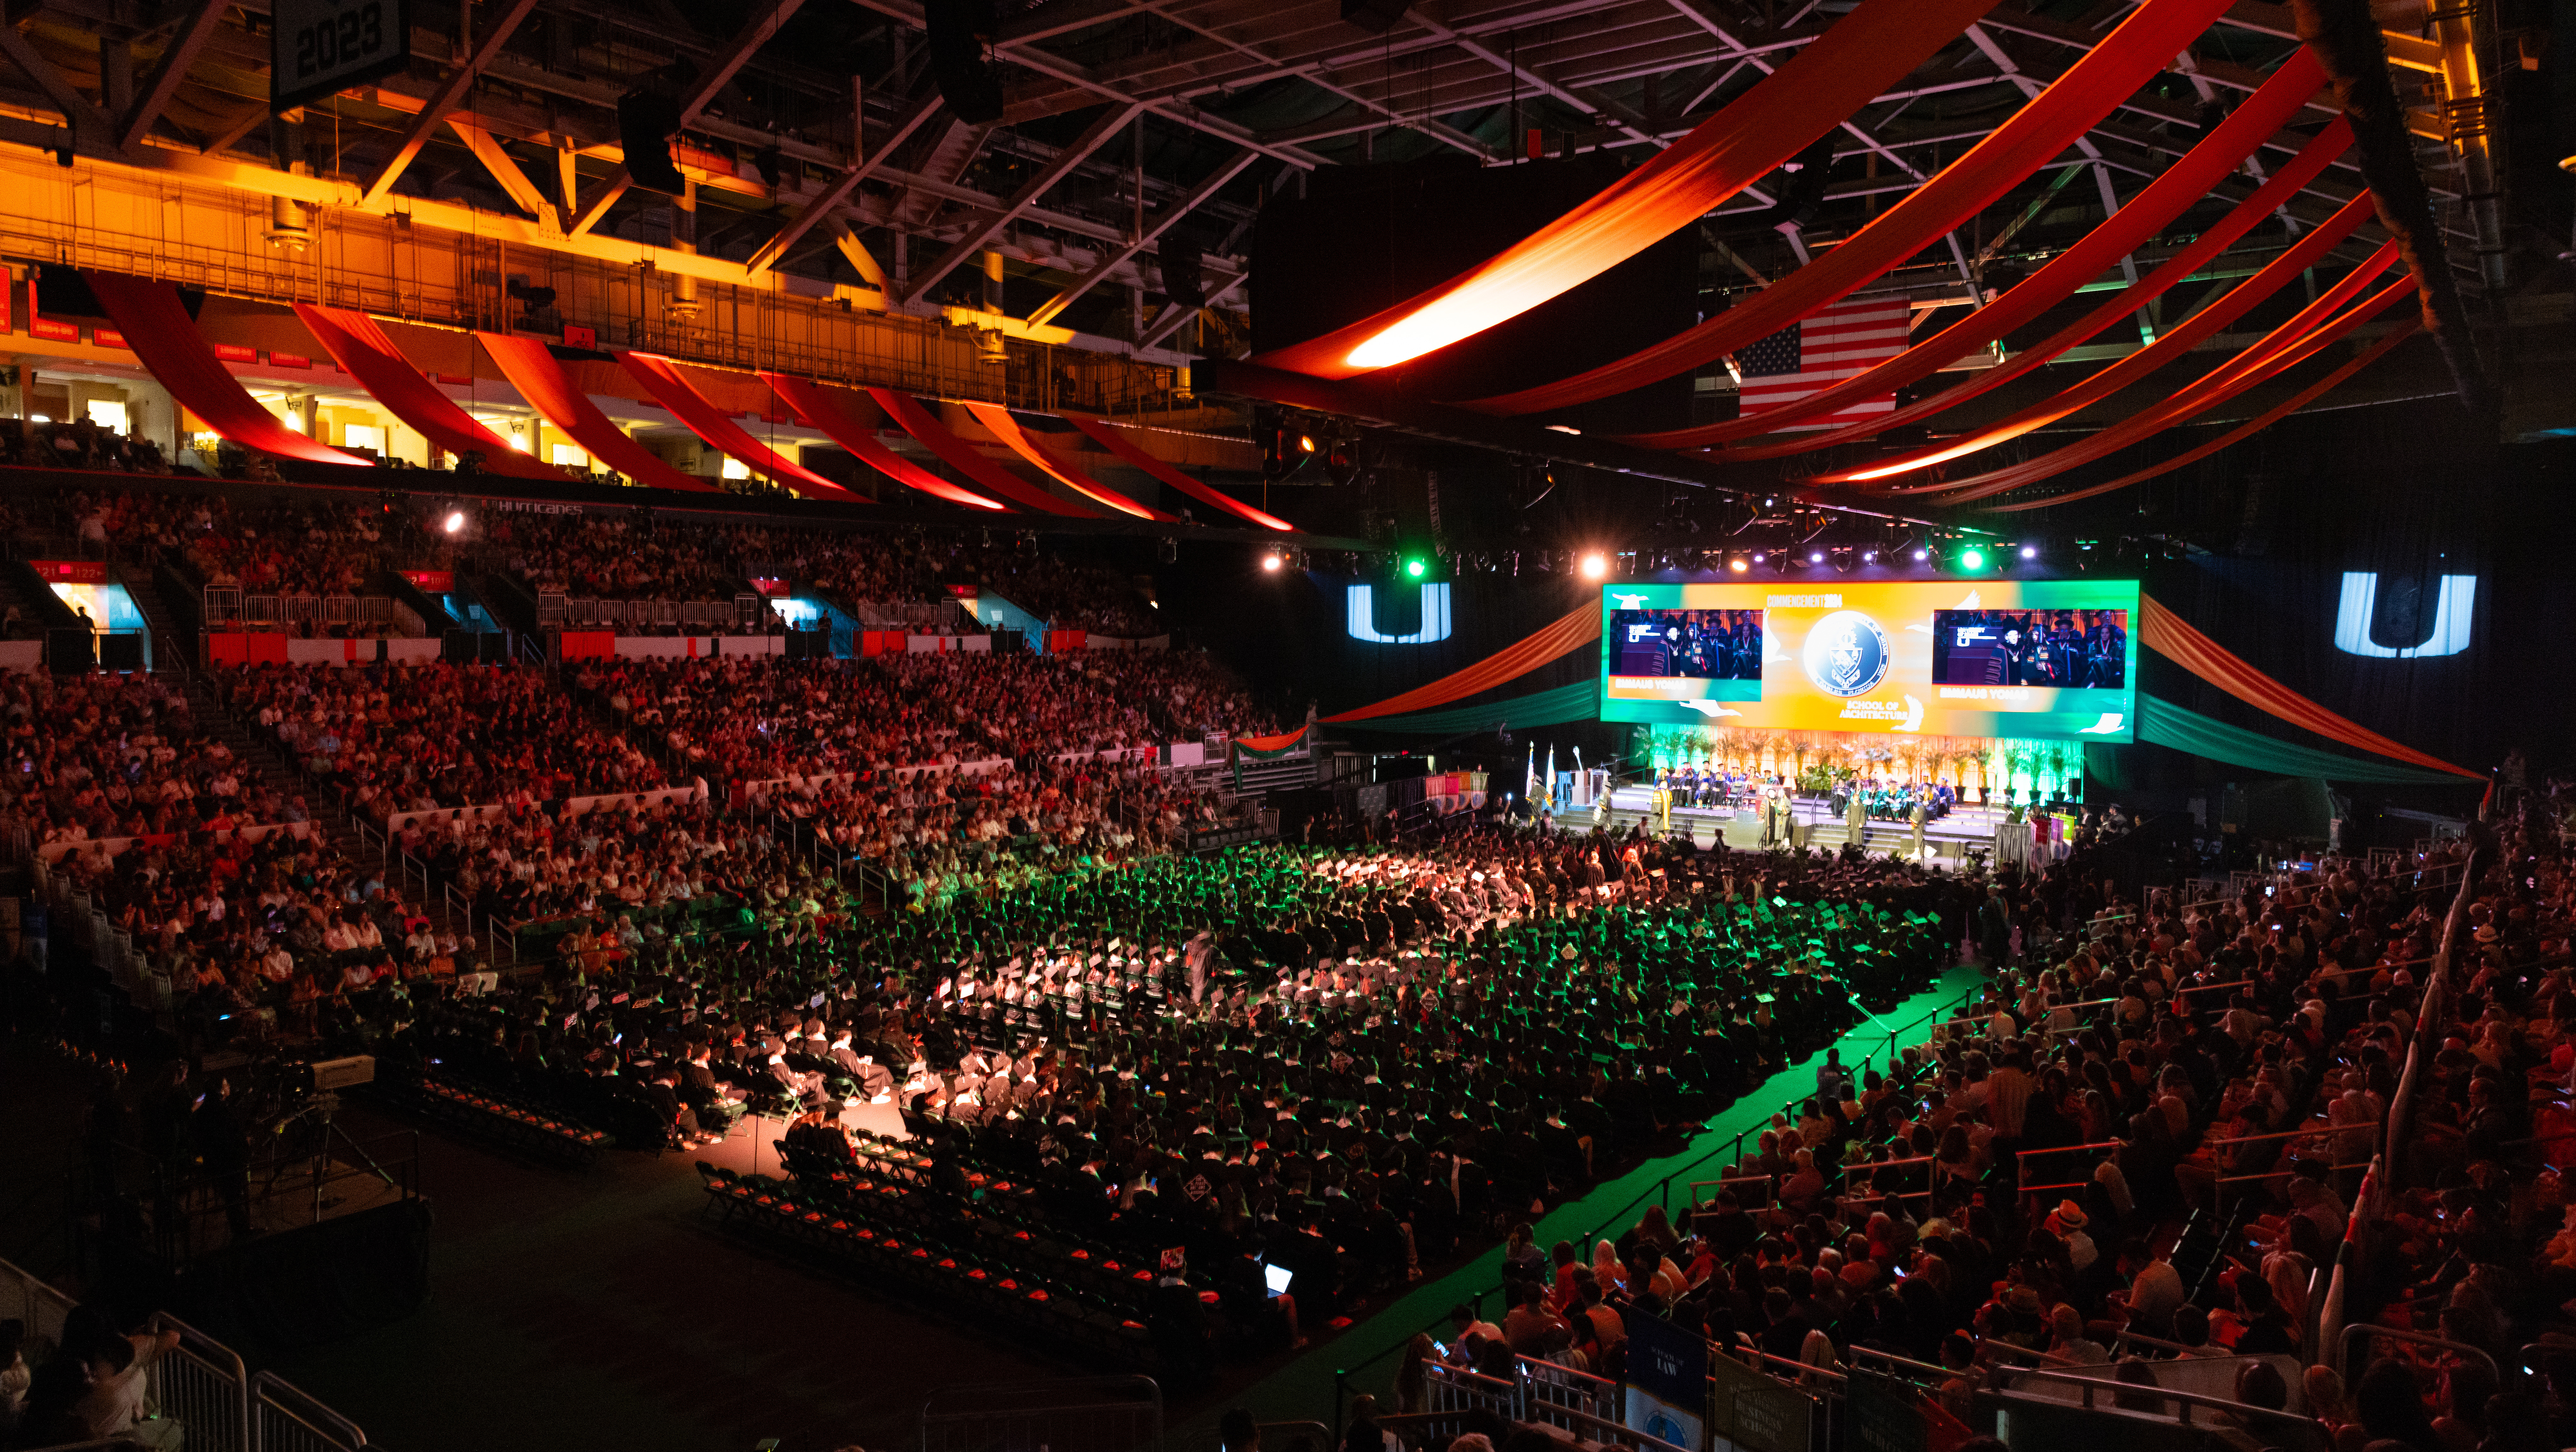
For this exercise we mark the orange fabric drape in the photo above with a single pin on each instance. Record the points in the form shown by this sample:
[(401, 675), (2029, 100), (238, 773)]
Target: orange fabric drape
[(2183, 185), (157, 327), (2255, 425), (2307, 252), (2172, 637), (815, 406), (362, 350), (1841, 71), (550, 388), (2269, 198), (962, 457), (672, 389), (1280, 742), (2108, 74), (998, 421), (1578, 628), (2314, 327), (1115, 440)]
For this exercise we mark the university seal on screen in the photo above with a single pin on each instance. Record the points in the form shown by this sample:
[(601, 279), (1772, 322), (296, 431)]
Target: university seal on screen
[(1846, 654)]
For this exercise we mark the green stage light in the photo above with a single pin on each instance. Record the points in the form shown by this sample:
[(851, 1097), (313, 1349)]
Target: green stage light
[(1416, 567), (1972, 560)]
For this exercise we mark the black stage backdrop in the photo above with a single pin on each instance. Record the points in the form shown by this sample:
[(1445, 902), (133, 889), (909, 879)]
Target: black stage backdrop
[(1289, 632), (2374, 503)]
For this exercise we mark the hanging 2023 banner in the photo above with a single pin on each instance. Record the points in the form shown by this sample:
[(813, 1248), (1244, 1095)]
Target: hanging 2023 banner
[(2012, 658)]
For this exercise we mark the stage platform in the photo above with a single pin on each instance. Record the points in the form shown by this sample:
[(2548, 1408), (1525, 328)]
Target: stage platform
[(1945, 840)]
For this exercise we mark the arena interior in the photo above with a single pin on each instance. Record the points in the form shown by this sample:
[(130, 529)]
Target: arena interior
[(1357, 726)]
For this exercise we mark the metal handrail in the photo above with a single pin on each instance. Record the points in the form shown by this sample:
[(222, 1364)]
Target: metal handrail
[(338, 1431), (198, 1344), (2093, 1385), (2363, 1330)]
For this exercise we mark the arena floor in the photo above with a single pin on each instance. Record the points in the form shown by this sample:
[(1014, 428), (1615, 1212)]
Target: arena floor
[(595, 1308)]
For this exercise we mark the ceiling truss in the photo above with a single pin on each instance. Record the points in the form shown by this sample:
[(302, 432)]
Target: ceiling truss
[(863, 168)]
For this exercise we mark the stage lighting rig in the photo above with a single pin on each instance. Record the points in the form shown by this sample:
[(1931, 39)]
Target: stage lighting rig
[(1286, 446)]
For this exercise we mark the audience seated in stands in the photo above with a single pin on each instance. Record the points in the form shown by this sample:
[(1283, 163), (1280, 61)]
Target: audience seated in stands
[(416, 736), (91, 757), (79, 443)]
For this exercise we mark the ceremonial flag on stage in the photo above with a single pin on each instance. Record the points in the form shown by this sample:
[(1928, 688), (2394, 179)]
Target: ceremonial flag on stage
[(1820, 350)]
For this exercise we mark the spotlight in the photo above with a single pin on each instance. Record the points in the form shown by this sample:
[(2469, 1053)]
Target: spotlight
[(1869, 557), (1759, 557), (1815, 557), (2030, 552), (1306, 443), (1921, 554), (1415, 567), (1738, 565), (1271, 562), (1972, 559), (1595, 565), (455, 520)]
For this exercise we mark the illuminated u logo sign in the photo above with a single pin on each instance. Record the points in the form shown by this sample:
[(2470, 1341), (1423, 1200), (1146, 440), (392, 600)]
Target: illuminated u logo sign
[(1362, 603), (2449, 634)]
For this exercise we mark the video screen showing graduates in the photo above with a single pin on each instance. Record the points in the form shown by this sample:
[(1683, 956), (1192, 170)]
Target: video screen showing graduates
[(1708, 645), (2066, 649)]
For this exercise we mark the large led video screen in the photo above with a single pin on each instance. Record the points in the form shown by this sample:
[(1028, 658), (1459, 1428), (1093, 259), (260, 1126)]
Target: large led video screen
[(2008, 658)]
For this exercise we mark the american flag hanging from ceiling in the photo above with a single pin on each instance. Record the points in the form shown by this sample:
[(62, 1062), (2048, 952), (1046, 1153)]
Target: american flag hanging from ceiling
[(1820, 350)]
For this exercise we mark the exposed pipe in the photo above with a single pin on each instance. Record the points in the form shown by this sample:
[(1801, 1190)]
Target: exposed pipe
[(2472, 117), (2345, 37)]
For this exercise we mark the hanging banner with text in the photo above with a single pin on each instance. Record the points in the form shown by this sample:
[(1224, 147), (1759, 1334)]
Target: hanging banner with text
[(1667, 1381)]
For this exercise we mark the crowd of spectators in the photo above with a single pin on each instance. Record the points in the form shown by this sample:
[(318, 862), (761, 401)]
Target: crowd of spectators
[(1191, 695), (300, 548), (1067, 594), (79, 443), (741, 719), (266, 936), (755, 718), (419, 736), (1023, 706), (891, 568), (523, 863), (2147, 1147), (93, 757), (622, 556), (946, 835)]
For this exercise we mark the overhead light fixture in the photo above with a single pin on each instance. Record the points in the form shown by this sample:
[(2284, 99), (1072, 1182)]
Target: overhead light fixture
[(1921, 554), (1271, 562), (2030, 552), (1815, 557), (1738, 565), (1595, 565), (1972, 559), (455, 520)]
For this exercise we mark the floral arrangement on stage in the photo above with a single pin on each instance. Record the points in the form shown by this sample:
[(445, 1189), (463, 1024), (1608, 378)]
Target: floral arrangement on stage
[(1819, 761)]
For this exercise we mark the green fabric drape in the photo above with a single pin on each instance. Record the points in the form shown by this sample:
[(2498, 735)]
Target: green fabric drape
[(2166, 724), (1580, 701)]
